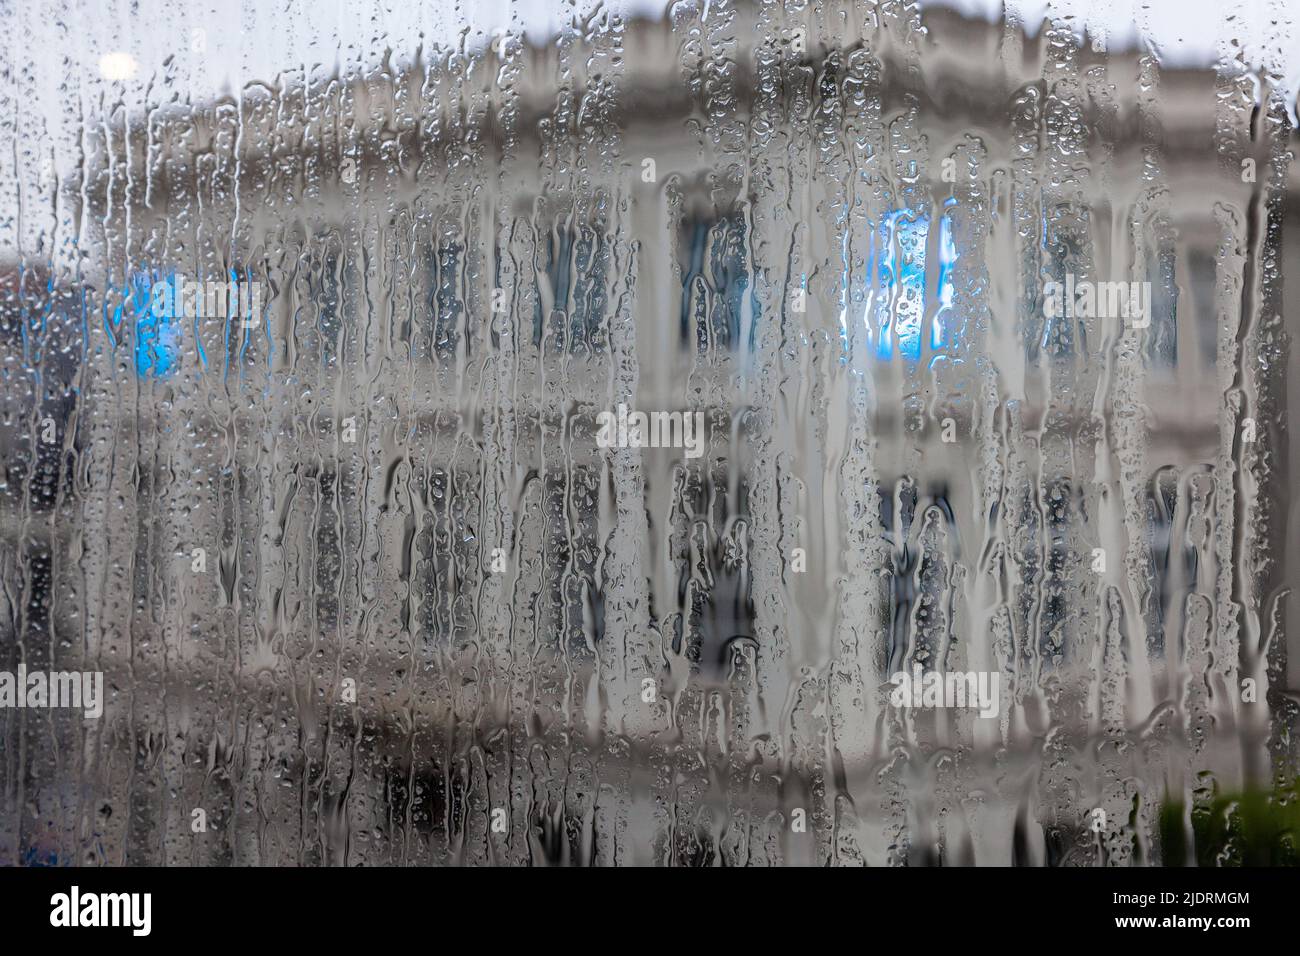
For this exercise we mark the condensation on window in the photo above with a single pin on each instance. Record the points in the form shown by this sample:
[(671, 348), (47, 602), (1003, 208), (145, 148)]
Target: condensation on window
[(724, 433)]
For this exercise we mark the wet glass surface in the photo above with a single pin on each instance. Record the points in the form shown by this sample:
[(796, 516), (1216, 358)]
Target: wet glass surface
[(720, 433)]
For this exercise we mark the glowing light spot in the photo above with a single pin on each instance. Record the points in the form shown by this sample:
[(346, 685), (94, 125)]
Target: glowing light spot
[(117, 66)]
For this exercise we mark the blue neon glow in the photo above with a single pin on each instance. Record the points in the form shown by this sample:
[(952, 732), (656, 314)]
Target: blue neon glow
[(947, 258), (896, 285), (157, 337)]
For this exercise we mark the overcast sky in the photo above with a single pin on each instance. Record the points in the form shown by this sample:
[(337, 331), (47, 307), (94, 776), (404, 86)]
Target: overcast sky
[(128, 41)]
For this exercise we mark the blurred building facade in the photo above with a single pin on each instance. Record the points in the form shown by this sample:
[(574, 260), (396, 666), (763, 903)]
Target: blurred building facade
[(278, 540)]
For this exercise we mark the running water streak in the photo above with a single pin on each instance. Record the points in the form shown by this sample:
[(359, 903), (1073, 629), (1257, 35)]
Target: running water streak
[(744, 433)]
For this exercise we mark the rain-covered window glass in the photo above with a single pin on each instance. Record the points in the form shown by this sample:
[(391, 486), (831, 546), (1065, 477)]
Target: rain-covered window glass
[(739, 433)]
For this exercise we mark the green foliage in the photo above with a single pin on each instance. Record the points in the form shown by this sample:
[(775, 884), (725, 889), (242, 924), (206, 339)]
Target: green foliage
[(1255, 828)]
